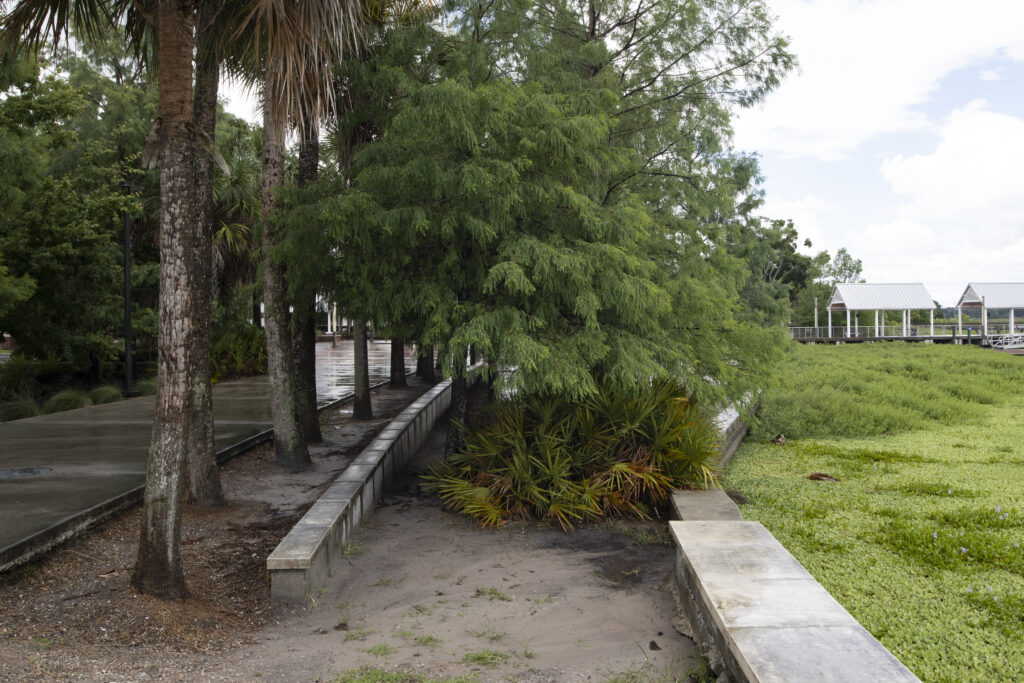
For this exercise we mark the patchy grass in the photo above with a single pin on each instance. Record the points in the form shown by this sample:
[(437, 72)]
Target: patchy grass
[(920, 539), (488, 658), (369, 675), (492, 594), (382, 650)]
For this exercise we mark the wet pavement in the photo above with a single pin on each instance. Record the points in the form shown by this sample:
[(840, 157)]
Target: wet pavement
[(91, 455)]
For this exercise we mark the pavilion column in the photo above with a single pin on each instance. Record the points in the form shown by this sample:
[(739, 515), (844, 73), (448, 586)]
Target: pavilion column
[(856, 323), (931, 321), (906, 323), (959, 322), (876, 325), (829, 321), (847, 322), (984, 318), (1011, 321)]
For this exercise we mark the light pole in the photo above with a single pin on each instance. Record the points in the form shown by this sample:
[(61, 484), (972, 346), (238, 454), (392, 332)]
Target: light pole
[(127, 218)]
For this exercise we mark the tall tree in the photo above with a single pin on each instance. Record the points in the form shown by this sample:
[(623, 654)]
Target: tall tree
[(203, 472), (304, 318)]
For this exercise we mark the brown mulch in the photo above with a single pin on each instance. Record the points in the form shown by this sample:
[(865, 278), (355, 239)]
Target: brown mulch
[(74, 615)]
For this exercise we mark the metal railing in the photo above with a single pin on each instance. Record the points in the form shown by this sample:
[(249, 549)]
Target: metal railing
[(1008, 341), (898, 332)]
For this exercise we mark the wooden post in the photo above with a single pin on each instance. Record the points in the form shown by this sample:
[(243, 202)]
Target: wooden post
[(876, 325), (829, 322), (847, 322), (1011, 321)]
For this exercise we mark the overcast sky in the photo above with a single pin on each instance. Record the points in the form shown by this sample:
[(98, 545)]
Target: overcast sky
[(901, 137)]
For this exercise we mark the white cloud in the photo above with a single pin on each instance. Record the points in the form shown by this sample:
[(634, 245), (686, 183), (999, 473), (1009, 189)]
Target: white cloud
[(865, 66), (972, 178), (990, 75), (961, 216)]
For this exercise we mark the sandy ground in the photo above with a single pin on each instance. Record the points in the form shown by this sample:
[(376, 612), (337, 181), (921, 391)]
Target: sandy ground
[(428, 591), (423, 591)]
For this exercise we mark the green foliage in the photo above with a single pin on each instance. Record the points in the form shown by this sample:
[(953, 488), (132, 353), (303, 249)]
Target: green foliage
[(69, 399), (239, 349), (146, 387), (618, 452), (108, 393), (18, 377), (16, 410), (554, 194), (843, 268), (920, 539), (870, 389)]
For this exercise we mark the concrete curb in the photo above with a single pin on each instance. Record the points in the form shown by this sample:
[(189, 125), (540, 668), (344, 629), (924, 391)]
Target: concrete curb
[(312, 551)]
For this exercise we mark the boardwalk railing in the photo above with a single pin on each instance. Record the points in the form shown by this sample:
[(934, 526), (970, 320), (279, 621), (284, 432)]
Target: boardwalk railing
[(1008, 341), (897, 331)]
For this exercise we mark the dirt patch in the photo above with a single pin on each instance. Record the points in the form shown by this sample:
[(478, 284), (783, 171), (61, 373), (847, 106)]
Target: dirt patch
[(423, 590), (428, 591)]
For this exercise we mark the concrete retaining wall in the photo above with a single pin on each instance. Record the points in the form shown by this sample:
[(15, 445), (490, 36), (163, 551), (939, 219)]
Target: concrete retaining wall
[(756, 613), (306, 557)]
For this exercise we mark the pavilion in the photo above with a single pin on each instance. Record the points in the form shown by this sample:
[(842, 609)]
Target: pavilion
[(854, 297), (988, 296)]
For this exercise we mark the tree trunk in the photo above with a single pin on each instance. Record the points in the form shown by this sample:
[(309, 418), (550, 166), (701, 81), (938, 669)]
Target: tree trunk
[(362, 408), (456, 439), (204, 487), (398, 364), (290, 449), (304, 321), (158, 569), (425, 364)]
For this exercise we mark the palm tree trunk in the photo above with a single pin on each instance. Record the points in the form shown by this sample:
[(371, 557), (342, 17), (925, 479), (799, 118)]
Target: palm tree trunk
[(304, 322), (362, 409), (397, 378), (158, 569), (290, 449), (204, 486)]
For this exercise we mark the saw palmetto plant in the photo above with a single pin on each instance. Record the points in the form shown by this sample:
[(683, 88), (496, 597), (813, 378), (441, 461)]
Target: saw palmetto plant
[(619, 452)]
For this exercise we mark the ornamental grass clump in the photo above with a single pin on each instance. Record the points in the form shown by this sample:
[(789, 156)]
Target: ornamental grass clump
[(618, 452)]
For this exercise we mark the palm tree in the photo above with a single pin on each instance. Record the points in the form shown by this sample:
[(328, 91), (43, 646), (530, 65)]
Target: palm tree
[(292, 47), (278, 33)]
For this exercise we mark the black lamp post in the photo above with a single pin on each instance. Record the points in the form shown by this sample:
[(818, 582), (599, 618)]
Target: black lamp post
[(127, 217)]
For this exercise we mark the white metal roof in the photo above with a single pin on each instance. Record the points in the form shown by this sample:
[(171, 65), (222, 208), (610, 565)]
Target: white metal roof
[(863, 296), (996, 295)]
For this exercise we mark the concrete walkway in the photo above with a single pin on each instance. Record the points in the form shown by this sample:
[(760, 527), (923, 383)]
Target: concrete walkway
[(88, 459)]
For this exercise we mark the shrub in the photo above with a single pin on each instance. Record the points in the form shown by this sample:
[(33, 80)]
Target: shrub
[(108, 393), (16, 410), (619, 452), (239, 349), (17, 377), (146, 387), (69, 399)]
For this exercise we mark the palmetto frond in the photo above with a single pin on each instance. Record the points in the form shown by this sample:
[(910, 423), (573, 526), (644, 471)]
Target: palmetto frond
[(31, 23), (297, 42)]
